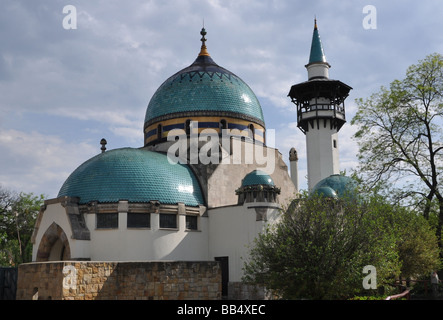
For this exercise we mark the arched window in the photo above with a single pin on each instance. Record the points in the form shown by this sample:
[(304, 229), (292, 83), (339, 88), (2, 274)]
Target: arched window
[(188, 127), (223, 124), (159, 132), (54, 245), (252, 132)]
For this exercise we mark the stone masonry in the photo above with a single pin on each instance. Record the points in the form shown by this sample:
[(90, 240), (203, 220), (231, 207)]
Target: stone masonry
[(90, 280)]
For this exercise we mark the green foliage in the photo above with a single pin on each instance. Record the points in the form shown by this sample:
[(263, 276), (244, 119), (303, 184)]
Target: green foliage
[(369, 298), (18, 213), (400, 139), (417, 244), (320, 246)]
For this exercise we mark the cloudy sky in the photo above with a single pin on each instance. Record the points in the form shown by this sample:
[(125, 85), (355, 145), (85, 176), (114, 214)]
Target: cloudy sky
[(62, 90)]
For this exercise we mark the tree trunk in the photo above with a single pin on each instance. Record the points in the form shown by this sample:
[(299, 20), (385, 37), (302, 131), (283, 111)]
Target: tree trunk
[(428, 205)]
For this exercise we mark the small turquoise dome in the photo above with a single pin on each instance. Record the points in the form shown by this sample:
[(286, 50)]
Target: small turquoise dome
[(257, 177), (327, 192), (205, 88), (135, 175), (335, 186)]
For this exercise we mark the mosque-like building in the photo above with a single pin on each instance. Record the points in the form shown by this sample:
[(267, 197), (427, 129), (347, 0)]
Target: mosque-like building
[(204, 184)]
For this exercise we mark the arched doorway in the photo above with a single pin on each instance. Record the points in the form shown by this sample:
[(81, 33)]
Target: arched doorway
[(54, 245)]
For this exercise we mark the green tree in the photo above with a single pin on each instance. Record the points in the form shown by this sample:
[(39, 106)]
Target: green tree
[(320, 246), (18, 213), (416, 242), (400, 138)]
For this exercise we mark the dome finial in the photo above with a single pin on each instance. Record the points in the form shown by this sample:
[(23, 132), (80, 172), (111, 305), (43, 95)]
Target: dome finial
[(204, 50), (103, 142), (315, 22)]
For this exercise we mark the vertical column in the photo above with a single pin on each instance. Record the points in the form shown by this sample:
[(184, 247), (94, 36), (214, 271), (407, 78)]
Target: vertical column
[(293, 159), (322, 153)]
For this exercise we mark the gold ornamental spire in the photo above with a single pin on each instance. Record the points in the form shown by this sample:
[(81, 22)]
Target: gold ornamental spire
[(204, 50)]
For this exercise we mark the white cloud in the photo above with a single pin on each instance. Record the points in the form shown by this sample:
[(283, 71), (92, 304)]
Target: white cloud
[(132, 134), (33, 162), (348, 149), (100, 77)]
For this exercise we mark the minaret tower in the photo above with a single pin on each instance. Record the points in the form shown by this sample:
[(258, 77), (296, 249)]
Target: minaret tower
[(320, 113)]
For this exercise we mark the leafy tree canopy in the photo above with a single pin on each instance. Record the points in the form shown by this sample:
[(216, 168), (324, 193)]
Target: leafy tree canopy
[(319, 248), (18, 212), (400, 139)]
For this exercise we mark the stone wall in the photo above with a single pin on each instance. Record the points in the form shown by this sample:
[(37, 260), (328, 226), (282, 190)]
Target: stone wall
[(241, 291), (88, 280)]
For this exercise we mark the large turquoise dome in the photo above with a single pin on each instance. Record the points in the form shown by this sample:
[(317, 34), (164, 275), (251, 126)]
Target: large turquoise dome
[(135, 175), (204, 88)]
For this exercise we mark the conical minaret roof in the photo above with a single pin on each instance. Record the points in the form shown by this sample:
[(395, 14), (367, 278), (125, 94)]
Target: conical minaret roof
[(317, 53)]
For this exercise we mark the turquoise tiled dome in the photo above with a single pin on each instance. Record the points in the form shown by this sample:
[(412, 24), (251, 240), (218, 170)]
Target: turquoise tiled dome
[(335, 186), (257, 177), (206, 87), (327, 192), (135, 175)]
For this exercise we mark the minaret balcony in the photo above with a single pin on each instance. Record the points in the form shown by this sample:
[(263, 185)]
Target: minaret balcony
[(315, 112)]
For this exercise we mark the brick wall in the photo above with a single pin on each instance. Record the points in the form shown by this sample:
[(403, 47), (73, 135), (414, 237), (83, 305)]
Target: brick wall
[(86, 280)]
